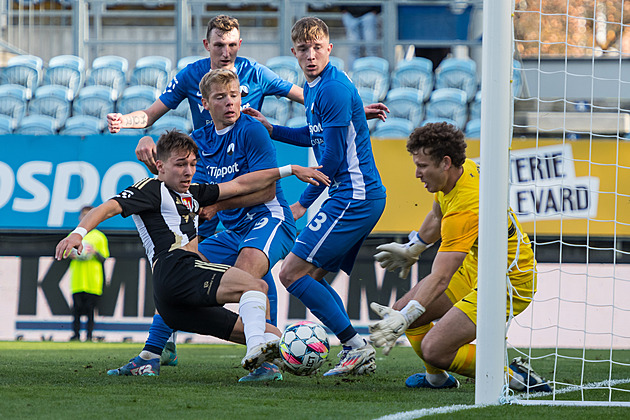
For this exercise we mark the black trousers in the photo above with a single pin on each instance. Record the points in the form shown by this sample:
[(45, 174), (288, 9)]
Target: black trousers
[(84, 304)]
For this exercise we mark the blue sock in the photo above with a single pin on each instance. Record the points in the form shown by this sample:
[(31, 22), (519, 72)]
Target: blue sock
[(159, 334), (336, 296), (316, 297), (272, 294)]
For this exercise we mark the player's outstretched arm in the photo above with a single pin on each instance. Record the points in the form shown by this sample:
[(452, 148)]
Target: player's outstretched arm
[(92, 219), (254, 181), (253, 199), (137, 119)]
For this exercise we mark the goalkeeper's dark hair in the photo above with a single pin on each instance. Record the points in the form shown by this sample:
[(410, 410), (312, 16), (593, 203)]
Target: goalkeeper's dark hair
[(438, 140), (174, 140)]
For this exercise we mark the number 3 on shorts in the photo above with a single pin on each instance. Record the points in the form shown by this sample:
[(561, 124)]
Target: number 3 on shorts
[(317, 222)]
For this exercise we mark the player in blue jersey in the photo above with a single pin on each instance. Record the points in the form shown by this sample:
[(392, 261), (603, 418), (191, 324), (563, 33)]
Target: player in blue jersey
[(338, 133)]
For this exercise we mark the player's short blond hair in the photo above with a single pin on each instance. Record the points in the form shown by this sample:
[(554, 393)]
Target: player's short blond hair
[(219, 77), (223, 24), (309, 29)]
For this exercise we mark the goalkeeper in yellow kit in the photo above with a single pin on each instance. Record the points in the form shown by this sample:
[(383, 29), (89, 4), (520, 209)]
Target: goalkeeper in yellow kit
[(449, 292)]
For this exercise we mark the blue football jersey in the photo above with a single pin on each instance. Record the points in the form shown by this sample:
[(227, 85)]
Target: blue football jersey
[(256, 80), (238, 149), (332, 101)]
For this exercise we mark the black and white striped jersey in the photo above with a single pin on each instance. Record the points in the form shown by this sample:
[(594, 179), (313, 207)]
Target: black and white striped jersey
[(165, 219)]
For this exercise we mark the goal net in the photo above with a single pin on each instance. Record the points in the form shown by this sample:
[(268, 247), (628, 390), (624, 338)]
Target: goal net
[(570, 187)]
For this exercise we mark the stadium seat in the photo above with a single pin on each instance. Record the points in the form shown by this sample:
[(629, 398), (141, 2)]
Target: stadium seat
[(137, 97), (372, 73), (184, 61), (109, 70), (287, 67), (393, 128), (96, 101), (368, 96), (448, 103), (416, 73), (7, 124), (182, 110), (276, 108), (296, 122), (337, 62), (459, 74), (25, 70), (52, 100), (13, 100), (473, 129), (475, 106), (83, 125), (66, 70), (170, 122), (152, 71), (37, 125), (405, 103)]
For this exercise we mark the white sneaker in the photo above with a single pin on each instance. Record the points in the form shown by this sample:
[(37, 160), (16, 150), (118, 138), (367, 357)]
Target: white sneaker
[(359, 361), (265, 352)]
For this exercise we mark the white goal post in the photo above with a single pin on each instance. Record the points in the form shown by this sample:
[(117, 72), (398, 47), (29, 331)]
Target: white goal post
[(558, 153)]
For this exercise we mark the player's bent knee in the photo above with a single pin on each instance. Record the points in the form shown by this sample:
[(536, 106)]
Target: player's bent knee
[(434, 354)]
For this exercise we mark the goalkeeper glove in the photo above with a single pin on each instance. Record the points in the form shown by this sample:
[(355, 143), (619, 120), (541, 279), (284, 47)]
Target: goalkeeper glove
[(394, 255), (385, 333)]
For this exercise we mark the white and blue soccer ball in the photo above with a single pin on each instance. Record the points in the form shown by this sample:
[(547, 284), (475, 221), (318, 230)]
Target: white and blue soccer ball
[(304, 347)]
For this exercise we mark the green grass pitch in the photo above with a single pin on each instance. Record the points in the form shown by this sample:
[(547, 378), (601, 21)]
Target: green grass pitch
[(69, 380)]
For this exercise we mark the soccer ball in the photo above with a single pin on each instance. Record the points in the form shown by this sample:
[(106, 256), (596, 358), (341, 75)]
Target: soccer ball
[(304, 347)]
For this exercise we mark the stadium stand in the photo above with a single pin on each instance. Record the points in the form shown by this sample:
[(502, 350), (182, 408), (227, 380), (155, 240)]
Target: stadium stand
[(475, 106), (457, 73), (66, 70), (52, 100), (473, 128), (37, 125), (448, 103), (25, 70), (153, 71), (286, 67), (277, 108), (517, 79), (184, 61), (14, 100), (182, 110), (438, 120), (371, 73), (7, 124), (393, 127), (109, 70), (170, 122), (405, 103), (96, 101), (136, 97), (338, 62), (83, 125), (416, 73), (297, 122)]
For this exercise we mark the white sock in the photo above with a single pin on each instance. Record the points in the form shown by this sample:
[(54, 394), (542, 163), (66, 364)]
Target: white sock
[(147, 355), (355, 342), (271, 337), (252, 309), (172, 338), (437, 379)]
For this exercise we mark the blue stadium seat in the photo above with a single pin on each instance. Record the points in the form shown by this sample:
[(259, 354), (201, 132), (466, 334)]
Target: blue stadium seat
[(83, 125), (517, 79), (7, 124), (393, 128), (66, 70), (52, 100), (287, 67), (371, 73), (109, 70), (438, 120), (25, 70), (337, 62), (152, 71), (297, 122), (170, 122), (276, 108), (13, 100), (135, 98), (416, 73), (475, 106), (473, 129), (459, 74), (448, 103), (37, 125), (184, 61), (368, 96), (182, 110), (96, 101), (405, 103)]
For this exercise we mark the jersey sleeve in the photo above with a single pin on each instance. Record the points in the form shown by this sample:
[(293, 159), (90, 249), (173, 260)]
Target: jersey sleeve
[(175, 91), (205, 194), (141, 196), (272, 83), (459, 231)]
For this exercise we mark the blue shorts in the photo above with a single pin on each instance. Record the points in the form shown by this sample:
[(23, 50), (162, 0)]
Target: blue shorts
[(272, 236), (332, 238)]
